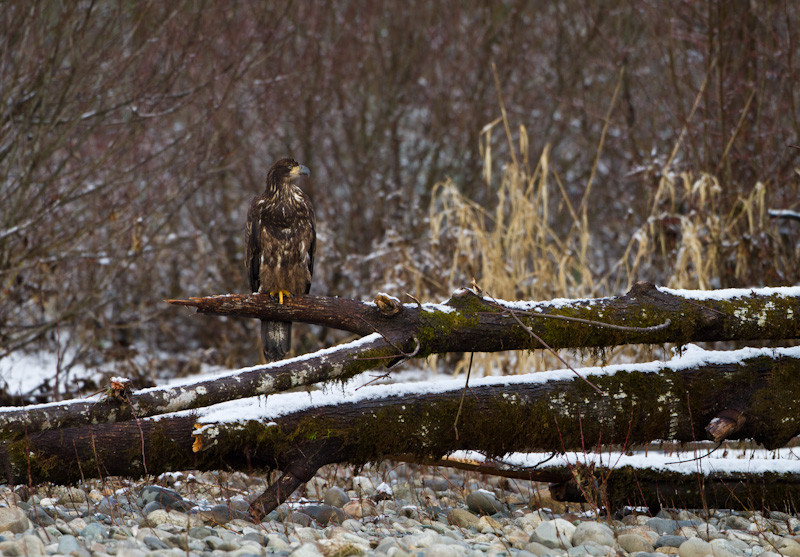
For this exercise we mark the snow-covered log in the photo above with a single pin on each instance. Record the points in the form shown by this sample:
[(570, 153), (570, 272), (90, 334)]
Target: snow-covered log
[(121, 404), (469, 322), (548, 411), (693, 475)]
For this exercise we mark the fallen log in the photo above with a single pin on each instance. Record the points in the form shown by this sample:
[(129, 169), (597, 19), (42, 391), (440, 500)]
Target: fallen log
[(551, 411), (469, 322), (687, 475), (698, 478), (120, 405), (655, 488)]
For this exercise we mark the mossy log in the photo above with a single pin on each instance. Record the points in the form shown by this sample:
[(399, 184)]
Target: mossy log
[(469, 322), (620, 486), (549, 411)]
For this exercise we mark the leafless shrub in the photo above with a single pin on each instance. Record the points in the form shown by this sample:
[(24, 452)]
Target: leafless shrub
[(134, 135)]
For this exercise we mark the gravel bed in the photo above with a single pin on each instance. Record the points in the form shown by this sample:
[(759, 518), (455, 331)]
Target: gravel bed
[(397, 512)]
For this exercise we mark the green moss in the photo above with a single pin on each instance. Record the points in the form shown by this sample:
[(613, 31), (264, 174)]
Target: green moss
[(22, 458), (163, 453), (434, 325)]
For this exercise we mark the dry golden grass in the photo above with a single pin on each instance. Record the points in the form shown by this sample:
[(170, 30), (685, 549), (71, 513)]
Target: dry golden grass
[(693, 237)]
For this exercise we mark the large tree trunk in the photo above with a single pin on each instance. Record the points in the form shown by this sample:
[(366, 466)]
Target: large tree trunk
[(550, 411)]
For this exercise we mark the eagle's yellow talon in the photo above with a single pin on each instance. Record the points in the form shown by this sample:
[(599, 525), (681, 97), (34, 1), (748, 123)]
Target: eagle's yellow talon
[(280, 294)]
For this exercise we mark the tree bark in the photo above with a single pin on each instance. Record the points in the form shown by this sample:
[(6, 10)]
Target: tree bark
[(629, 486), (471, 323), (547, 411)]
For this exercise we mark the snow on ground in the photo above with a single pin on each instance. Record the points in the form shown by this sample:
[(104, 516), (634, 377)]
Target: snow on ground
[(22, 373)]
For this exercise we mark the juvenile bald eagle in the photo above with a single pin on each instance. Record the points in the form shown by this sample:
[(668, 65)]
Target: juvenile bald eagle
[(280, 247)]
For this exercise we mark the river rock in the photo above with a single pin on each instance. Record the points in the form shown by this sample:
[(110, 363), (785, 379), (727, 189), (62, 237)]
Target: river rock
[(593, 531), (13, 520), (463, 518), (484, 502), (336, 497), (556, 533), (633, 543)]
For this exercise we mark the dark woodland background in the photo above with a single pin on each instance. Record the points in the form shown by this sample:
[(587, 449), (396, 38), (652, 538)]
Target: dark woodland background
[(643, 140)]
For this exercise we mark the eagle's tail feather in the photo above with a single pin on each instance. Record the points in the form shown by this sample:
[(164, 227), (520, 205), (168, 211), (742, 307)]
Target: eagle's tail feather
[(276, 339)]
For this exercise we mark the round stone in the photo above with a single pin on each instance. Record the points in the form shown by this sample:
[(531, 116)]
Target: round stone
[(363, 485), (169, 498), (484, 502), (633, 543), (556, 533), (593, 531), (336, 497), (695, 547), (441, 550), (13, 520), (669, 541), (67, 544), (94, 532), (325, 514), (463, 518)]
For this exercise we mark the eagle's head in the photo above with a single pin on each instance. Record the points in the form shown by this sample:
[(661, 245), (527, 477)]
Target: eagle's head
[(285, 171)]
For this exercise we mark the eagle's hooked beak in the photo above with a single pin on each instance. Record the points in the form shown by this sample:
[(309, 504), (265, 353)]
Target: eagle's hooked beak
[(300, 170)]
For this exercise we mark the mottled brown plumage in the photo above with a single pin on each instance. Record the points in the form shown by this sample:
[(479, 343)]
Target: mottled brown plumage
[(280, 247)]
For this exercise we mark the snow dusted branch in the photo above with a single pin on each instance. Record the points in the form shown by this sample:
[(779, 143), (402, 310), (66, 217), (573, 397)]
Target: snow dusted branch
[(743, 394), (340, 362), (468, 322)]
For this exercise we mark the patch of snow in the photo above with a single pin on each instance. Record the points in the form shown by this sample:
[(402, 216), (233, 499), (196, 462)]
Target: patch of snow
[(749, 461), (533, 305), (784, 213), (431, 308), (731, 293), (188, 381), (384, 488), (21, 373)]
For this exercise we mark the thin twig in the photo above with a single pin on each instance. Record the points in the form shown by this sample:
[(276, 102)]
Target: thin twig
[(650, 329), (697, 457), (463, 395), (701, 306), (419, 304), (374, 378), (585, 198), (547, 346), (505, 116)]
